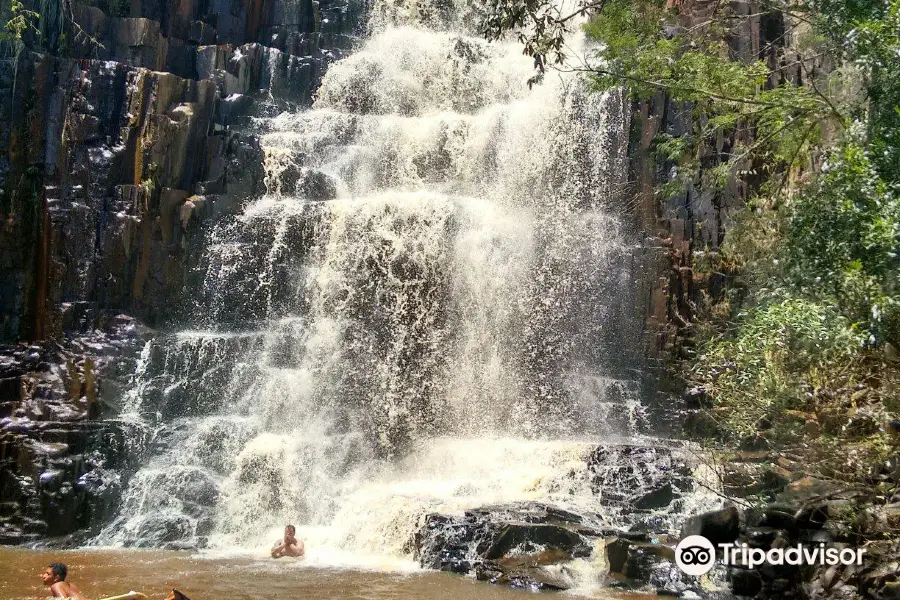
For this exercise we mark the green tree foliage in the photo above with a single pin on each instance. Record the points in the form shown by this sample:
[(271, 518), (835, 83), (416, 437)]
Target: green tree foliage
[(20, 20), (842, 242), (813, 311), (643, 50), (779, 353), (541, 26), (832, 259)]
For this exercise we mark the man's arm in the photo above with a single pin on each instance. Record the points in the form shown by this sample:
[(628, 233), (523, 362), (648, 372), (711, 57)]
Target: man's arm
[(57, 590)]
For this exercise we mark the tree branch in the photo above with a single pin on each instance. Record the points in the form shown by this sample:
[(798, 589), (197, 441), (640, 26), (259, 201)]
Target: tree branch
[(665, 86)]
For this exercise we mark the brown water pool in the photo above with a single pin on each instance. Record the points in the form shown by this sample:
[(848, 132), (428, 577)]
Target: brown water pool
[(102, 573)]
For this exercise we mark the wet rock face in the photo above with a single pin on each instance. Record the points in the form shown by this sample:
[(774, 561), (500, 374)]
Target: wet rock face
[(512, 544), (532, 545), (103, 141), (115, 149), (121, 141), (719, 527), (636, 482), (649, 565), (60, 464)]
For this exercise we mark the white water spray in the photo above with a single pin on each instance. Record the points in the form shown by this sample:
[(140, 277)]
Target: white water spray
[(423, 314)]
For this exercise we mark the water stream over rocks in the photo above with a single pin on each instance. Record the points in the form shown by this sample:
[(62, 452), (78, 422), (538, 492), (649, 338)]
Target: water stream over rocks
[(422, 344)]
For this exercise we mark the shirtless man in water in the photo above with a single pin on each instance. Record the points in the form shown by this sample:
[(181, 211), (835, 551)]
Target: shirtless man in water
[(289, 546), (54, 576)]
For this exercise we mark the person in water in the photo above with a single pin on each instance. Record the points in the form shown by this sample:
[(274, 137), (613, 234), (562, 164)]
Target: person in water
[(289, 546), (54, 577)]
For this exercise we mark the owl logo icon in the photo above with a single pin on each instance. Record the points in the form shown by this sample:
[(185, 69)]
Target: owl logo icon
[(695, 555)]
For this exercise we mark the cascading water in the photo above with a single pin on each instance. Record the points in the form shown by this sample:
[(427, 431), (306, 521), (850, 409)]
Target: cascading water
[(430, 310)]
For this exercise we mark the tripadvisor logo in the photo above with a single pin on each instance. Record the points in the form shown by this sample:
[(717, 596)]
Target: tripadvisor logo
[(696, 555)]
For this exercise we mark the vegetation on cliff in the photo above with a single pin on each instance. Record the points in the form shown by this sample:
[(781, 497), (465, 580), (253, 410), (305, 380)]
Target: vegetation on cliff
[(807, 329), (795, 349), (18, 20)]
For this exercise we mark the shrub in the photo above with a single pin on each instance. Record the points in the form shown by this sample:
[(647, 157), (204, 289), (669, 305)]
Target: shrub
[(781, 350)]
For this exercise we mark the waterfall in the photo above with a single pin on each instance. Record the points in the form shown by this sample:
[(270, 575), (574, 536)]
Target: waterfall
[(430, 309)]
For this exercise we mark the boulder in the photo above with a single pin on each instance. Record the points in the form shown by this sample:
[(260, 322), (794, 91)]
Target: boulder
[(780, 516), (511, 536), (635, 560), (658, 498), (533, 572), (639, 565), (719, 526), (511, 544), (745, 582), (158, 530)]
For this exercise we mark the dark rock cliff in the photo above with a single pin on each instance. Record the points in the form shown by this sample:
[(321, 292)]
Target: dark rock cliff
[(120, 140), (689, 227)]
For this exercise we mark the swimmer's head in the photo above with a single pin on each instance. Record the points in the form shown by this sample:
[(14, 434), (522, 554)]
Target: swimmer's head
[(54, 573), (176, 595), (290, 530)]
